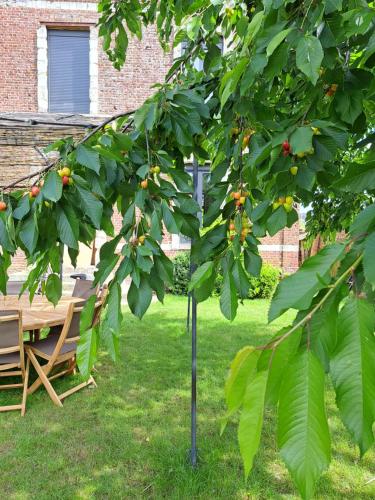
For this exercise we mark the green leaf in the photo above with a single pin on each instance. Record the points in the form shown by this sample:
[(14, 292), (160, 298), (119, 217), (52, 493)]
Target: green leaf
[(52, 188), (54, 255), (139, 299), (369, 259), (123, 140), (201, 274), (91, 205), (297, 290), (87, 314), (281, 356), (242, 370), (241, 280), (23, 208), (105, 267), (168, 218), (364, 221), (277, 221), (88, 158), (164, 268), (146, 116), (303, 434), (228, 297), (252, 30), (301, 140), (323, 330), (230, 80), (353, 370), (276, 40), (53, 288), (253, 262), (29, 233), (87, 348), (5, 240), (309, 57), (251, 420), (67, 226), (349, 106), (332, 6), (114, 315), (359, 177)]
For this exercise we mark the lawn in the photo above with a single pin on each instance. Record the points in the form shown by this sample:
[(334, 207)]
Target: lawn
[(129, 438)]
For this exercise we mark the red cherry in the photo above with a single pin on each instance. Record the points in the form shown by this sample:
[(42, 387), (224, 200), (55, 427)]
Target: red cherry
[(34, 191), (65, 180), (286, 146), (3, 206)]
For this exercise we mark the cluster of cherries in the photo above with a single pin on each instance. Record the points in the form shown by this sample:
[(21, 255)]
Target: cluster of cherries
[(331, 90), (239, 197), (243, 231), (65, 175), (139, 241), (155, 169), (248, 132), (284, 201)]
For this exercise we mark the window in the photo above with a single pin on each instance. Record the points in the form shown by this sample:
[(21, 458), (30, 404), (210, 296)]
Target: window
[(68, 71)]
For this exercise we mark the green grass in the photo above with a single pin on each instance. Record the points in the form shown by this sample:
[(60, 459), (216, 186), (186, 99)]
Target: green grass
[(129, 438)]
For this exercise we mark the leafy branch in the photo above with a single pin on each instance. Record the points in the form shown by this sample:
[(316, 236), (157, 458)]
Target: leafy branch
[(275, 343)]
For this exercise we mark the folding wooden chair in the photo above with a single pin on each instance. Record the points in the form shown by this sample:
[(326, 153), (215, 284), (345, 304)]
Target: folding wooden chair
[(12, 356), (15, 287), (84, 289), (58, 349)]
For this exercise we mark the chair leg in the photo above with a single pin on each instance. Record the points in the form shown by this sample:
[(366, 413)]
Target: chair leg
[(43, 379), (78, 388), (25, 382)]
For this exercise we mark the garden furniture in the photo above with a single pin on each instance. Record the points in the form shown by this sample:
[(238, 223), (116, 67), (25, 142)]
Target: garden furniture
[(58, 349), (84, 289), (15, 287), (12, 356)]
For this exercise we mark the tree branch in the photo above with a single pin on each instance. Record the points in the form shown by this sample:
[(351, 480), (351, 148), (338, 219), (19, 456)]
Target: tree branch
[(274, 343), (83, 140), (103, 124)]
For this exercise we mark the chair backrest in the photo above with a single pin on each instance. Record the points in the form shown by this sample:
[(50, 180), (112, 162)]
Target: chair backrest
[(71, 329), (11, 333), (9, 329), (14, 287), (84, 289)]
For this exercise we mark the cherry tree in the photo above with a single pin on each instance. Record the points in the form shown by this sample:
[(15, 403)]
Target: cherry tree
[(274, 115)]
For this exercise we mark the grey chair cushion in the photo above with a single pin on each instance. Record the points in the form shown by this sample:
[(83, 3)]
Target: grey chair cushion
[(12, 357), (47, 345)]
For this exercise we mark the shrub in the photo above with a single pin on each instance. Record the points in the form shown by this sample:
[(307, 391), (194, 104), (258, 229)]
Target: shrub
[(264, 286), (181, 267), (260, 288)]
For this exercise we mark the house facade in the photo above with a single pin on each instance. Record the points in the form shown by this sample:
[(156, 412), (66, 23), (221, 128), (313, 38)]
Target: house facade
[(52, 65)]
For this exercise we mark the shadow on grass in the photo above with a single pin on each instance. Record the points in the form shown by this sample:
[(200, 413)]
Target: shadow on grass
[(130, 437)]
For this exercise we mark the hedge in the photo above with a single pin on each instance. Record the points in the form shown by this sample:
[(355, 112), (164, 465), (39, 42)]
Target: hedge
[(261, 287)]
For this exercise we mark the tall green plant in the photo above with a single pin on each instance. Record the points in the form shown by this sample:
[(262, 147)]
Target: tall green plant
[(293, 88)]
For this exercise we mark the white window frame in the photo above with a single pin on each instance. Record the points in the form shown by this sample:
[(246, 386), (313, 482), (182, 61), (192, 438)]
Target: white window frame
[(42, 69)]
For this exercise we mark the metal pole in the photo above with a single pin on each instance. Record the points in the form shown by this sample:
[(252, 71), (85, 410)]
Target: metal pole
[(193, 451), (188, 314)]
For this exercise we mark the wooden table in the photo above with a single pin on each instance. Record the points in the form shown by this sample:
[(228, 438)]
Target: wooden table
[(40, 313)]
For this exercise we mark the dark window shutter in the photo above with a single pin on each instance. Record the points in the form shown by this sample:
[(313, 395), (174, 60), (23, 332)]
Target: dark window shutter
[(68, 71)]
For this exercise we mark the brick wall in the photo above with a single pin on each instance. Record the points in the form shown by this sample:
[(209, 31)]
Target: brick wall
[(118, 91)]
